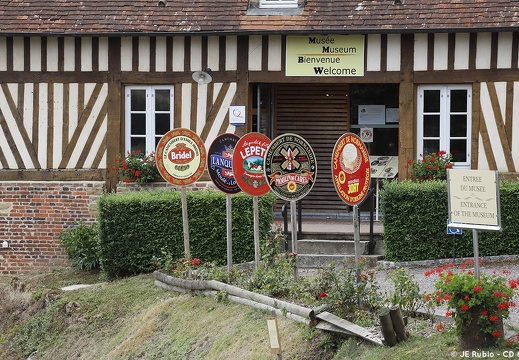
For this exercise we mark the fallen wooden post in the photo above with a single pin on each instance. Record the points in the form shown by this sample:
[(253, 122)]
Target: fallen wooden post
[(201, 285)]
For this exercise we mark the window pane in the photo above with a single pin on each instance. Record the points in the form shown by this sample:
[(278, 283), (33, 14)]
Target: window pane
[(458, 150), (430, 146), (157, 139), (458, 100), (138, 100), (162, 100), (138, 143), (161, 124), (138, 124), (458, 126), (431, 101), (431, 126)]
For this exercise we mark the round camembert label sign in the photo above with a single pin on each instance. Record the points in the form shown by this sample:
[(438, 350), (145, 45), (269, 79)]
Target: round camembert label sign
[(351, 169), (290, 167), (180, 157), (249, 163)]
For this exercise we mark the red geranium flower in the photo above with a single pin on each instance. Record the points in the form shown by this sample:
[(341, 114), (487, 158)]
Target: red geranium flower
[(464, 307), (321, 295), (493, 318)]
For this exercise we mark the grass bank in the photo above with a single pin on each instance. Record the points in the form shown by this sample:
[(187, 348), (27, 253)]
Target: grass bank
[(132, 318)]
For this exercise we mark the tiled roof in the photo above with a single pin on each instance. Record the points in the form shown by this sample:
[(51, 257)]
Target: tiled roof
[(218, 16)]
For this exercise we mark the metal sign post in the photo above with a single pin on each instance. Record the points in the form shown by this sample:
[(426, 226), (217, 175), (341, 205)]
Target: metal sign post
[(248, 164), (291, 170), (220, 158), (255, 215), (351, 170), (228, 203)]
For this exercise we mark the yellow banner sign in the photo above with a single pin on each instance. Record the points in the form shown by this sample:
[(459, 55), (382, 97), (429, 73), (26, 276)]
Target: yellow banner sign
[(325, 55)]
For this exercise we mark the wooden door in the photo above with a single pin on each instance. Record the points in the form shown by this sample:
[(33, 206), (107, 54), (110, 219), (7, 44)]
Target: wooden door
[(320, 113)]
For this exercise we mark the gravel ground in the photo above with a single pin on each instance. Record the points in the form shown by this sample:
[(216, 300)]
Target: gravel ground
[(488, 265)]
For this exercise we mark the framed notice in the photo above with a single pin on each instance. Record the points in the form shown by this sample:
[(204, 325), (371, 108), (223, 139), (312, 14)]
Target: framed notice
[(372, 114), (391, 115), (474, 199)]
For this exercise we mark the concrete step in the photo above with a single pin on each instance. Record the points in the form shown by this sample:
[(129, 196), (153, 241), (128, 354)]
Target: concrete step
[(314, 261), (336, 247)]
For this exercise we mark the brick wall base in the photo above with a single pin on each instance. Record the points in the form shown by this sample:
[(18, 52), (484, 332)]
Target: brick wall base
[(33, 214)]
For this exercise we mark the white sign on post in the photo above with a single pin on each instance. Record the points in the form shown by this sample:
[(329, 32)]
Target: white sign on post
[(474, 203), (474, 199)]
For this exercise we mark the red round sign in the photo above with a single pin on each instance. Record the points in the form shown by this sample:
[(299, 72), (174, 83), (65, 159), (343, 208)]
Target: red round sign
[(249, 162), (351, 169), (180, 157)]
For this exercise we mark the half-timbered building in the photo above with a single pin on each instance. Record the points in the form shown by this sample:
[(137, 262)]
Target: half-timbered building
[(84, 81)]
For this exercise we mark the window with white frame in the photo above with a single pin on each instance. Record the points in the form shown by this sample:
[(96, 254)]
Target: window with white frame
[(444, 121), (148, 116), (276, 4)]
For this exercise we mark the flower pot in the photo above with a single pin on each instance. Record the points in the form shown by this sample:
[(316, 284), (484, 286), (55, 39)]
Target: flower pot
[(472, 335)]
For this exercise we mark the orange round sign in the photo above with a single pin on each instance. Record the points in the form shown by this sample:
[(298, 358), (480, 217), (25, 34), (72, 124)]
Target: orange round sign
[(180, 157), (351, 169)]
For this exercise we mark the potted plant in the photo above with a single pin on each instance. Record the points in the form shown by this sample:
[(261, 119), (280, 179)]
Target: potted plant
[(477, 305)]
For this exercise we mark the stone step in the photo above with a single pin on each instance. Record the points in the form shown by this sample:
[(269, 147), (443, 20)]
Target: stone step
[(314, 261), (336, 247), (334, 236)]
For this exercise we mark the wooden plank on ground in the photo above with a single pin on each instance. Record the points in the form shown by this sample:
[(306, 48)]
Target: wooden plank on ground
[(324, 325), (350, 327)]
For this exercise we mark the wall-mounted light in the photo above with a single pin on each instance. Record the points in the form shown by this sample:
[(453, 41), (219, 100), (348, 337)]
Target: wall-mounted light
[(203, 77), (5, 244)]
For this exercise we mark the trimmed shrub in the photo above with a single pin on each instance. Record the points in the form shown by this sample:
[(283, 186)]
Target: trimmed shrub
[(415, 223), (135, 227)]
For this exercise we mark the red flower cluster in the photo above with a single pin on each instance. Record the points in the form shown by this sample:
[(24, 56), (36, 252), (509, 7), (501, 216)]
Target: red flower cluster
[(462, 292), (136, 166), (195, 262)]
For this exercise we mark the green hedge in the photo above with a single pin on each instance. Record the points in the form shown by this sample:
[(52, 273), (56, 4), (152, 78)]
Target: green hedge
[(415, 223), (135, 226)]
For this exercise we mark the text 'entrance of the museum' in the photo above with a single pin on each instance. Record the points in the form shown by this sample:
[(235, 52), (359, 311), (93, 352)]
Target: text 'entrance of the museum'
[(321, 113)]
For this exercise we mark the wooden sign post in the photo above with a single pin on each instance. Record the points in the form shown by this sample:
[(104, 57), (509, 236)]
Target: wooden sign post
[(275, 343), (180, 159)]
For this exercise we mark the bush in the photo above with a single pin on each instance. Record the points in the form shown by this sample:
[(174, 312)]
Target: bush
[(136, 227), (82, 245), (415, 223)]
